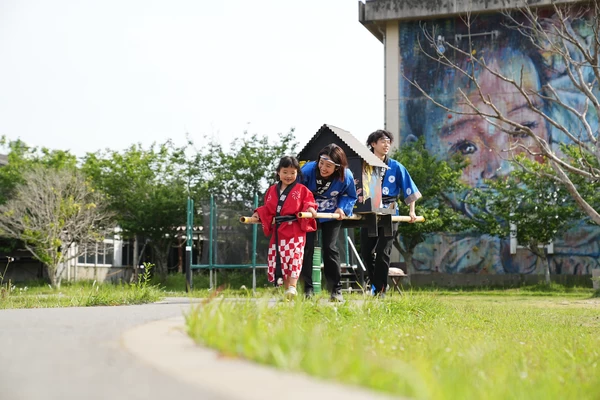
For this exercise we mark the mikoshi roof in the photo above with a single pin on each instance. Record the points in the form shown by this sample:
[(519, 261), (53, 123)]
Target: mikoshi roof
[(352, 142)]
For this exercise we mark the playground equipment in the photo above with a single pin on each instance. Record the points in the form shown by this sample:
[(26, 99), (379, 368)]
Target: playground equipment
[(212, 266)]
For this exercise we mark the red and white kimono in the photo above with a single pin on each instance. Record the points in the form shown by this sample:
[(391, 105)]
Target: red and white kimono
[(291, 234)]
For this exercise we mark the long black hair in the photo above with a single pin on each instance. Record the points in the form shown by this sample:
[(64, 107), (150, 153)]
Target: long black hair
[(336, 154)]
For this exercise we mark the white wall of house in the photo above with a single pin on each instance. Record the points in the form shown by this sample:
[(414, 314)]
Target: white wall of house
[(103, 263)]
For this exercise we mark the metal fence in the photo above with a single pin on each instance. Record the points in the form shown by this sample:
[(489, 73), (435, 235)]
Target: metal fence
[(216, 239)]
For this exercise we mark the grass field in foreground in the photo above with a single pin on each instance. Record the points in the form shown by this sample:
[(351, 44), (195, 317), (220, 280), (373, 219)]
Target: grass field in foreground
[(422, 345)]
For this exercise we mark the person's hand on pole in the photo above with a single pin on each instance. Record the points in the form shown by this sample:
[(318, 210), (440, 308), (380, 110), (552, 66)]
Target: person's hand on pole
[(411, 212)]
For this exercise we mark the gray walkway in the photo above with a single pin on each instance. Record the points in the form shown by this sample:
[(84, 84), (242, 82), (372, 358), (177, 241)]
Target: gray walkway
[(133, 352)]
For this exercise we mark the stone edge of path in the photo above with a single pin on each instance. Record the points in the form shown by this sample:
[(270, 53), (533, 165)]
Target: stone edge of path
[(165, 346)]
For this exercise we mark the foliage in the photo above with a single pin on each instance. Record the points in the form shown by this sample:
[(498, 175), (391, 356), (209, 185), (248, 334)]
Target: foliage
[(539, 206), (146, 190), (529, 205), (8, 245), (143, 290), (5, 288), (435, 180), (57, 216), (22, 157), (78, 294), (248, 168), (589, 189), (231, 280)]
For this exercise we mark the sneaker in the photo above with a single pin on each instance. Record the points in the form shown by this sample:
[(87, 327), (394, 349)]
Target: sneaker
[(309, 294), (337, 297), (290, 292), (376, 293)]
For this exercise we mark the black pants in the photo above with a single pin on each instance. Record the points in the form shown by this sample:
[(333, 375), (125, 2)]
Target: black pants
[(376, 252), (331, 256)]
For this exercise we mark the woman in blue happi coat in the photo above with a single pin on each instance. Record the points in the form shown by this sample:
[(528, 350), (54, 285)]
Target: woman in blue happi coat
[(332, 184)]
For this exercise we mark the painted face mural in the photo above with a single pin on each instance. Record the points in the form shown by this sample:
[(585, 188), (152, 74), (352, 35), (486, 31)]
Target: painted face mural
[(487, 148)]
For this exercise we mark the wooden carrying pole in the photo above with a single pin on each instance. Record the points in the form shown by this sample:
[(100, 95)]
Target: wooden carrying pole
[(406, 218), (249, 220), (355, 217), (326, 215)]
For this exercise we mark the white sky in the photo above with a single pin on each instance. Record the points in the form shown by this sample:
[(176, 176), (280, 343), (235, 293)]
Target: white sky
[(84, 75)]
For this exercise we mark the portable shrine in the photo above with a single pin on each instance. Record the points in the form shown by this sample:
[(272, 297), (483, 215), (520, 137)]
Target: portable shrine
[(368, 171)]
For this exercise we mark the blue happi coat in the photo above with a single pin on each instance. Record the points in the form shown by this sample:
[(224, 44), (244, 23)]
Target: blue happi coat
[(338, 195), (396, 182)]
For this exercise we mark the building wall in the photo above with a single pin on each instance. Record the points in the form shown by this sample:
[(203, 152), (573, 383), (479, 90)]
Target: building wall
[(576, 252), (104, 273)]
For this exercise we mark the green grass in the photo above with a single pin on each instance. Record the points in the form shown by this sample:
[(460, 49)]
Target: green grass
[(540, 289), (38, 294), (422, 345), (230, 279)]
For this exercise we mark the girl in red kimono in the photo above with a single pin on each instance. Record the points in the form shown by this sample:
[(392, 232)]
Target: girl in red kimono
[(278, 218)]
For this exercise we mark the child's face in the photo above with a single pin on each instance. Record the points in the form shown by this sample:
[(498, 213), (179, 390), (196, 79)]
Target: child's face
[(288, 175)]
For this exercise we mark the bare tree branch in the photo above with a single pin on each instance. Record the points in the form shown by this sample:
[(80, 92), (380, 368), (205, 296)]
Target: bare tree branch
[(569, 39), (57, 216)]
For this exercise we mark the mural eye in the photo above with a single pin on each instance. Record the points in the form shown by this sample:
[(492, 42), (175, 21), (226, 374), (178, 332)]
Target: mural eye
[(464, 146), (520, 134)]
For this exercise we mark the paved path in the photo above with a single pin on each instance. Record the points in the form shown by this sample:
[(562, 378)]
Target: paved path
[(133, 352)]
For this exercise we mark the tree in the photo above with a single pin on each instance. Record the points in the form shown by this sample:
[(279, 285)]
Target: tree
[(146, 190), (56, 214), (565, 40), (528, 199), (21, 157), (436, 180), (234, 177)]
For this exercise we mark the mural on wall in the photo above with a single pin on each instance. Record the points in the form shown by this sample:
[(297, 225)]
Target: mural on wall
[(576, 251)]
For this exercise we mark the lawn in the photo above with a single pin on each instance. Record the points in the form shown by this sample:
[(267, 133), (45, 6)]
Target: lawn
[(513, 344), (523, 343), (39, 294)]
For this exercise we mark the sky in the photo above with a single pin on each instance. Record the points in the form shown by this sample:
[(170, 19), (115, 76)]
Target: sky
[(86, 75)]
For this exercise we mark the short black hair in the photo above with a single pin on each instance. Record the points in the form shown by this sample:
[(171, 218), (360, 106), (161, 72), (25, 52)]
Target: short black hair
[(378, 134), (287, 162)]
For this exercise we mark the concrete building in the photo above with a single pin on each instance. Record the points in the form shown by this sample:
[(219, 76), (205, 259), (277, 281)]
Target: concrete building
[(384, 18), (400, 25)]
